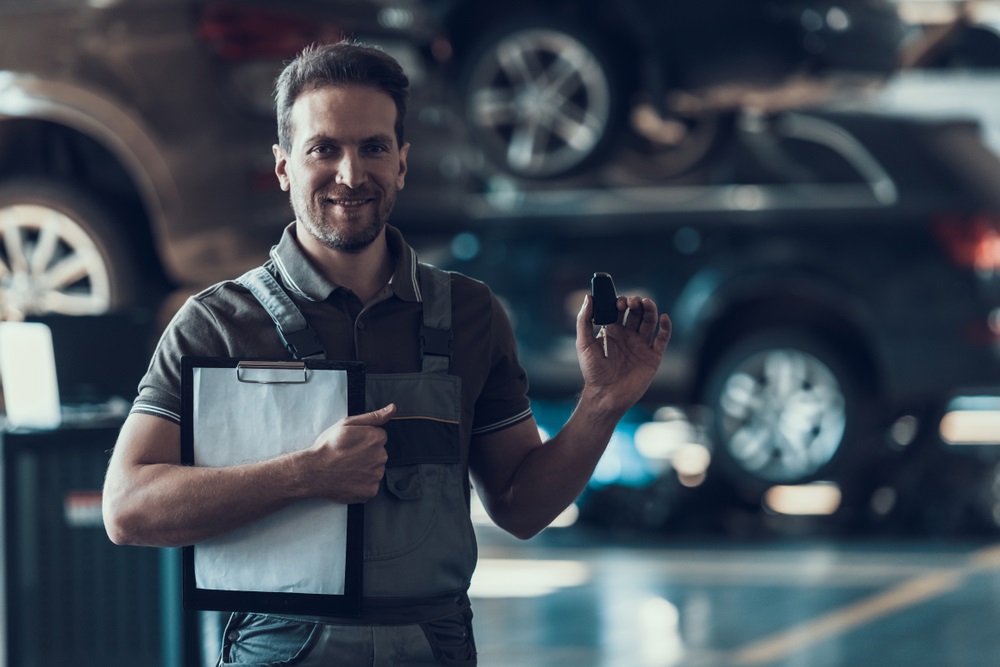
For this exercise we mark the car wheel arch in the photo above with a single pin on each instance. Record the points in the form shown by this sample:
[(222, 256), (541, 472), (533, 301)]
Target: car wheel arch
[(103, 121), (740, 307), (92, 166)]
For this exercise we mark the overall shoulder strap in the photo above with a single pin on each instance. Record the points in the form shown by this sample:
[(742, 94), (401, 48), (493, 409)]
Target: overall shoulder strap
[(299, 338), (435, 334)]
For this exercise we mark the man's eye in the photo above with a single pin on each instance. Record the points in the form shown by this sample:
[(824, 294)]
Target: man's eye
[(377, 148), (322, 150)]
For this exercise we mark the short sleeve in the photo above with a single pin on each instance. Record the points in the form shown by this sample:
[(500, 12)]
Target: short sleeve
[(192, 331), (503, 401)]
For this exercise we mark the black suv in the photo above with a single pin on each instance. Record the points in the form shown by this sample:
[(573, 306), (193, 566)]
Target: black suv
[(838, 276)]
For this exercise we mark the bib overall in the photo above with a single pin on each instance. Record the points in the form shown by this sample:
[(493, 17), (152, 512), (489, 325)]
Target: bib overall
[(419, 546)]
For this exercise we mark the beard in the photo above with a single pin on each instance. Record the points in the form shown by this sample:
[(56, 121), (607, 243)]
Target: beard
[(347, 230)]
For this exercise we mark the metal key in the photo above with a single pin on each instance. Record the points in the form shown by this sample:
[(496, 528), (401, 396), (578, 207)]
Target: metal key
[(602, 289)]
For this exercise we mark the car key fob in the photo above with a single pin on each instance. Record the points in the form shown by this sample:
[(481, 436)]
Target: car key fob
[(602, 289)]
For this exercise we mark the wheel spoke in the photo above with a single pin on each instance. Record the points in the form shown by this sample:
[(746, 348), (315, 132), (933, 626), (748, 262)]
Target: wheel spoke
[(13, 241), (741, 397), (45, 248), (579, 130), (519, 64), (68, 271), (561, 70), (494, 107), (523, 152), (750, 447)]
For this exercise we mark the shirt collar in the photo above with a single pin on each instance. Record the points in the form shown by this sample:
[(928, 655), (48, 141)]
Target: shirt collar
[(298, 274)]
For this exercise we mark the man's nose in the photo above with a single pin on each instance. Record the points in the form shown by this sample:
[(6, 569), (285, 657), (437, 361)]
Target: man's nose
[(350, 171)]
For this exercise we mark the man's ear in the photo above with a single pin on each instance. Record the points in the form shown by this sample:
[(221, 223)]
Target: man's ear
[(404, 150), (280, 164)]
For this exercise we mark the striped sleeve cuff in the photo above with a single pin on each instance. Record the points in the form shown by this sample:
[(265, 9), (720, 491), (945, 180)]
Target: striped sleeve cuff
[(155, 410), (500, 425)]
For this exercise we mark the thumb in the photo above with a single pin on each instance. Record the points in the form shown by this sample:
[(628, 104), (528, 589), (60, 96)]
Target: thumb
[(374, 418)]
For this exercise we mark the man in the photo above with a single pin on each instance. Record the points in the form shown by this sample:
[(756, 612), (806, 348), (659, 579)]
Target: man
[(342, 159)]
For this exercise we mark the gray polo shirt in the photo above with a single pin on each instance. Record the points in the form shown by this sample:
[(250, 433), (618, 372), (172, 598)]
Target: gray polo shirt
[(225, 320)]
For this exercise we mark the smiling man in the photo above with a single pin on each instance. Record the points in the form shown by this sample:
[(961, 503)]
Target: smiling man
[(341, 156)]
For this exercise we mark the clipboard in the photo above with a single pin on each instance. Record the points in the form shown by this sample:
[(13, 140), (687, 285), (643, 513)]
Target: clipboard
[(305, 558)]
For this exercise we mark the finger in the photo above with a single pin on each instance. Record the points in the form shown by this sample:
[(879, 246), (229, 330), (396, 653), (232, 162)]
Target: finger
[(622, 305), (647, 325), (584, 325), (634, 312), (659, 343), (375, 418)]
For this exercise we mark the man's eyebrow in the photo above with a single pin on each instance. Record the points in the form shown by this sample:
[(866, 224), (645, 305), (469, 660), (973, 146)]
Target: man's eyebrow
[(380, 137)]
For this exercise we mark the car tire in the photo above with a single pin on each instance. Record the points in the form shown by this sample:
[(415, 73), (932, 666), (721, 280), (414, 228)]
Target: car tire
[(542, 98), (62, 251), (786, 408)]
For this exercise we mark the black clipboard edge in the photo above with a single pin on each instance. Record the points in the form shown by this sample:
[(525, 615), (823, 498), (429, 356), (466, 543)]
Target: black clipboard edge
[(346, 605)]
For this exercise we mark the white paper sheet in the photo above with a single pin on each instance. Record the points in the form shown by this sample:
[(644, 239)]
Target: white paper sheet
[(301, 549)]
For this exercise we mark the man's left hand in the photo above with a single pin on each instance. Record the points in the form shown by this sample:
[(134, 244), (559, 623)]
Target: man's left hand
[(635, 345)]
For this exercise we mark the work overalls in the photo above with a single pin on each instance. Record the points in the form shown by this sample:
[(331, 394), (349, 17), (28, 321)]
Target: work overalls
[(419, 547)]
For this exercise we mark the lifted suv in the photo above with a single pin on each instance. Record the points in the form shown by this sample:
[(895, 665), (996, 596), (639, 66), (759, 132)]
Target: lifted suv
[(842, 273), (134, 139)]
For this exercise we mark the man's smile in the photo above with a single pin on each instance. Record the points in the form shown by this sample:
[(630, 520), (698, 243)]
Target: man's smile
[(348, 203)]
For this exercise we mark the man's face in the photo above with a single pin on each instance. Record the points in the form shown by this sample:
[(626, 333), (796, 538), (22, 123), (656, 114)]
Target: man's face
[(345, 168)]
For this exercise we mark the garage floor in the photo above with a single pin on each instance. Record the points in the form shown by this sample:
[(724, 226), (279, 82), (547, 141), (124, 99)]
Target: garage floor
[(569, 598)]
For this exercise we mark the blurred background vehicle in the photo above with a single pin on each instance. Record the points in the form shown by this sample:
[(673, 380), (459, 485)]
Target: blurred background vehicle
[(134, 140), (549, 89), (828, 301)]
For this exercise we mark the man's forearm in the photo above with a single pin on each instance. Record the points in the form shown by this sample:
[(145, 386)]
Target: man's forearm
[(165, 504), (552, 476)]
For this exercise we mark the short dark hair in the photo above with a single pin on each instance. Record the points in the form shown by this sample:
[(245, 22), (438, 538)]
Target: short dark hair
[(341, 63)]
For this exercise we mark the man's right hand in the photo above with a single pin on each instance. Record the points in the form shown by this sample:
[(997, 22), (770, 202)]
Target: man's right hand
[(347, 461)]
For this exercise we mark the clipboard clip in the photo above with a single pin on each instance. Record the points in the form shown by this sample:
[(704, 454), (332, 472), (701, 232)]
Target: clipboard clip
[(262, 372)]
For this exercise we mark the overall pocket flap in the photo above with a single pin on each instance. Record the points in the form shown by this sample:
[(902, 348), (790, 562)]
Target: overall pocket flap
[(403, 482)]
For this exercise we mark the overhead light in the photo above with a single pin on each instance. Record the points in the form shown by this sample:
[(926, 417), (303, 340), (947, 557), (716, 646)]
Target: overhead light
[(815, 499)]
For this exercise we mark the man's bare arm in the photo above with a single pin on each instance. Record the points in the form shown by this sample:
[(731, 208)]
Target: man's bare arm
[(524, 483), (151, 499)]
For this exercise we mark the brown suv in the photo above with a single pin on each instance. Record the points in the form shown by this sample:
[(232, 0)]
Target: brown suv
[(134, 139)]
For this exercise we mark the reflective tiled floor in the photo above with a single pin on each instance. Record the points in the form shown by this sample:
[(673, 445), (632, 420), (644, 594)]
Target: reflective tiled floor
[(572, 599)]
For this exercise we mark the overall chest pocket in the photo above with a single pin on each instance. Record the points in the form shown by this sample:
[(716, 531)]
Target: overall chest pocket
[(423, 485)]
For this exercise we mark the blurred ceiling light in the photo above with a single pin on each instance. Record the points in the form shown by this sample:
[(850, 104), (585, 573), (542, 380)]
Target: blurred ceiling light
[(465, 246), (566, 518), (509, 578), (838, 19), (691, 463), (815, 499), (904, 430), (971, 427), (884, 500), (662, 439), (395, 18)]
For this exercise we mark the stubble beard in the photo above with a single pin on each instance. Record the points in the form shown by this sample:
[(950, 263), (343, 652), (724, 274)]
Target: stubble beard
[(344, 233)]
